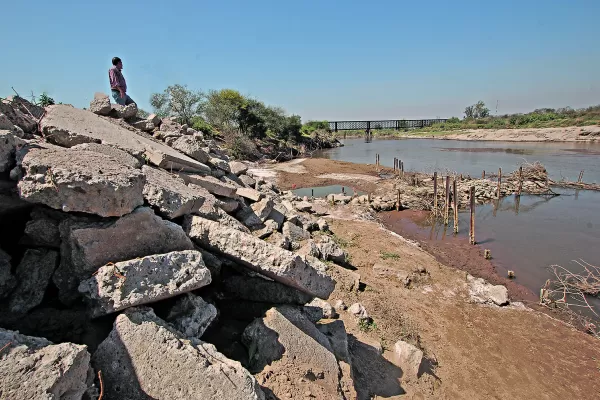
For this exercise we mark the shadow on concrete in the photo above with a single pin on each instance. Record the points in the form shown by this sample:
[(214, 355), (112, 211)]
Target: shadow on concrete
[(373, 374)]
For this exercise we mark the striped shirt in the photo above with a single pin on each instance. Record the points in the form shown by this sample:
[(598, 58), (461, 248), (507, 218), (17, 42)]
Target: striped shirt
[(116, 79)]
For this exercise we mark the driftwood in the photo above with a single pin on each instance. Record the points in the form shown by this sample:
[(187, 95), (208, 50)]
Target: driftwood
[(569, 291)]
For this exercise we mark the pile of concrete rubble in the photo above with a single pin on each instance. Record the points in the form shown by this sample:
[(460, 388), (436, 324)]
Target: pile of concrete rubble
[(135, 248)]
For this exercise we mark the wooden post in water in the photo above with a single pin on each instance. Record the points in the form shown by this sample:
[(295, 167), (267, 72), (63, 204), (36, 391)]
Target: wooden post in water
[(483, 174), (520, 180), (312, 193), (435, 210), (472, 224), (398, 204), (499, 180), (455, 207), (447, 205), (580, 177), (402, 167)]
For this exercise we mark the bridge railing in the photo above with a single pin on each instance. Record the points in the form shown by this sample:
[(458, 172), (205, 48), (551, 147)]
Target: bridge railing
[(383, 124)]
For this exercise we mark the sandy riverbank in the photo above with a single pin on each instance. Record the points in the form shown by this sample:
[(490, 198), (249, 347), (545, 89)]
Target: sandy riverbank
[(472, 351), (568, 134)]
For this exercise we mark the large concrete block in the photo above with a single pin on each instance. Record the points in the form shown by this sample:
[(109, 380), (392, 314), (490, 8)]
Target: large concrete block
[(170, 194), (34, 368), (87, 245), (79, 180), (33, 274), (144, 280), (276, 263), (210, 183), (68, 126), (144, 358)]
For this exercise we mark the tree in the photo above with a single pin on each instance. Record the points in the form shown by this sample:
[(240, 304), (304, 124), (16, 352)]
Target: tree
[(222, 108), (478, 110), (178, 101)]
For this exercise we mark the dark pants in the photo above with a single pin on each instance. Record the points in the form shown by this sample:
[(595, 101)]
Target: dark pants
[(124, 101)]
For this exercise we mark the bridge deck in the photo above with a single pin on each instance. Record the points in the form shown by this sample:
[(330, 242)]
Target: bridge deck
[(383, 124)]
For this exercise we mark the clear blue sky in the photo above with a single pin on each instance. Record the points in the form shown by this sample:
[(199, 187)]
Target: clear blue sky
[(319, 59)]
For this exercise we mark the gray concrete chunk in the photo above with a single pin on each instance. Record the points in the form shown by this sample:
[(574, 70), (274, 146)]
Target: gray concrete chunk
[(276, 263), (250, 194), (34, 368), (144, 358), (285, 336), (238, 168), (119, 155), (192, 146), (9, 142), (100, 104), (210, 183), (7, 280), (68, 126), (263, 208), (170, 194), (86, 246), (144, 280), (191, 315), (294, 232), (33, 273), (80, 180)]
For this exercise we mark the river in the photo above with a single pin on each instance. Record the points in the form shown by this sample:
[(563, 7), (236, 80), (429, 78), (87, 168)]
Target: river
[(525, 236)]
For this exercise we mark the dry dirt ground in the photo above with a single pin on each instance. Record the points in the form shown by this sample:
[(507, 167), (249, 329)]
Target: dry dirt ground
[(568, 134), (473, 351), (323, 172)]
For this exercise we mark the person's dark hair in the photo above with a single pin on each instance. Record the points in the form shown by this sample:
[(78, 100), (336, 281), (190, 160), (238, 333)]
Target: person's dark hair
[(116, 60)]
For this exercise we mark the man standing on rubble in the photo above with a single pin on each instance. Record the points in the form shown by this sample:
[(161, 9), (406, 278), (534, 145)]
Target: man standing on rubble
[(118, 86)]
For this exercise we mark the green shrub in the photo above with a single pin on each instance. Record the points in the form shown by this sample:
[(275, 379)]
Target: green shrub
[(199, 124)]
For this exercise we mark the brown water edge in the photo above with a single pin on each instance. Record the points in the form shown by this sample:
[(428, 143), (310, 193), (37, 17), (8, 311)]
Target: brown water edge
[(453, 251)]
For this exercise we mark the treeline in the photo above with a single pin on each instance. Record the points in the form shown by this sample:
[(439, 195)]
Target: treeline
[(477, 116), (229, 111)]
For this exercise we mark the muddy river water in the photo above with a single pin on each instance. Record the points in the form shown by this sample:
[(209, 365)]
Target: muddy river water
[(527, 235)]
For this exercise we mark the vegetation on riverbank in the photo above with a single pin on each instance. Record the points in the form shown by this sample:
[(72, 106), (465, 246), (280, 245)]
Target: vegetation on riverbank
[(249, 127)]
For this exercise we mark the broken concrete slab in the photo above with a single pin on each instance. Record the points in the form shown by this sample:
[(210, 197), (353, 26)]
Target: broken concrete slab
[(119, 155), (210, 183), (323, 225), (227, 204), (169, 193), (250, 194), (260, 256), (219, 163), (100, 104), (238, 168), (7, 280), (86, 246), (82, 180), (248, 181), (33, 274), (18, 117), (335, 331), (318, 309), (408, 357), (303, 206), (125, 112), (278, 215), (359, 311), (249, 218), (175, 368), (35, 368), (268, 230), (294, 232), (331, 251), (9, 142), (286, 337), (155, 119), (41, 232), (68, 126), (142, 124), (310, 249), (484, 292), (192, 146), (191, 315), (144, 280), (261, 290), (263, 208)]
